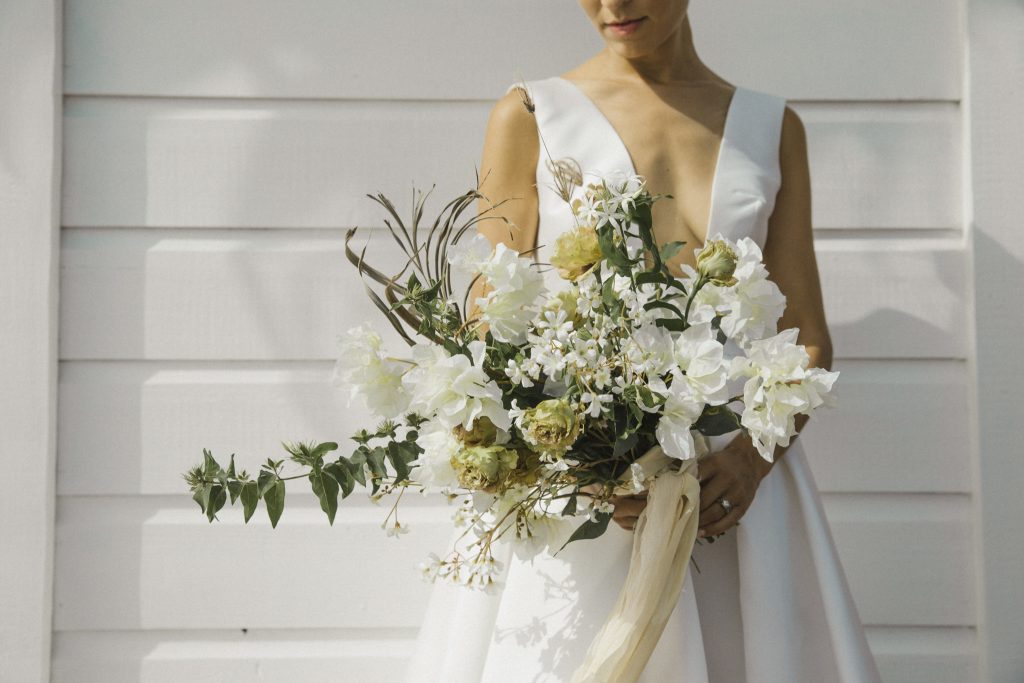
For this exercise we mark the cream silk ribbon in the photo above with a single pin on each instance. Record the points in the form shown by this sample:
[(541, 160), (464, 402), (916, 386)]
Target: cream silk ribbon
[(663, 539)]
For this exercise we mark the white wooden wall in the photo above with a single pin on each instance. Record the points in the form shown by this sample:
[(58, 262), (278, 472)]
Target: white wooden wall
[(214, 154)]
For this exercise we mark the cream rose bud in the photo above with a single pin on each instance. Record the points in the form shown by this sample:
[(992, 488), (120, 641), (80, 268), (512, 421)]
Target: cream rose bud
[(484, 467), (577, 251), (717, 263), (552, 425)]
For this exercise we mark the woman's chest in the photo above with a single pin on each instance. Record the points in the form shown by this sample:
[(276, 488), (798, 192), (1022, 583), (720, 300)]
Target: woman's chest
[(675, 145)]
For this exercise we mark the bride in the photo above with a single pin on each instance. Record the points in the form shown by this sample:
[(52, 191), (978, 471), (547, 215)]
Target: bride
[(769, 602)]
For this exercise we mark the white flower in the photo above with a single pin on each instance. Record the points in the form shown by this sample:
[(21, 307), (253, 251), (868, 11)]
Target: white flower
[(595, 403), (469, 256), (363, 364), (650, 350), (702, 358), (512, 303), (623, 189), (433, 468), (395, 529), (430, 569), (637, 478), (780, 387), (682, 408), (752, 307), (454, 388)]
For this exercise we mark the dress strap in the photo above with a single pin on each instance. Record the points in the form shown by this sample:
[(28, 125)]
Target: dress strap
[(573, 127), (748, 175)]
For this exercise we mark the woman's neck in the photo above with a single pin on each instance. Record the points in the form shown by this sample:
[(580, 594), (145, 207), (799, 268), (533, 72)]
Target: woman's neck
[(674, 62)]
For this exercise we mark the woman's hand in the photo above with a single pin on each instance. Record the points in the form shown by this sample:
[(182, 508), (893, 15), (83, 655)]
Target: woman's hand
[(732, 474)]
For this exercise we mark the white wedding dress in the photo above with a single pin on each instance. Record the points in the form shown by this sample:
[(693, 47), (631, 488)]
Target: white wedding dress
[(769, 604)]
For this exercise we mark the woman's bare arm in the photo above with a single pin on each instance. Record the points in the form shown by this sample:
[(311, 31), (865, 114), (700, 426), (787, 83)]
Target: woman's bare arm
[(789, 250), (508, 172), (789, 257)]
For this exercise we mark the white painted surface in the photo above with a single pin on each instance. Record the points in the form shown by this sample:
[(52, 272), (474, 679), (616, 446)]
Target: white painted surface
[(30, 112), (214, 153), (997, 245)]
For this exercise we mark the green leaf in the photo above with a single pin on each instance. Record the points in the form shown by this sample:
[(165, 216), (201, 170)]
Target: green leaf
[(324, 448), (250, 499), (671, 324), (659, 303), (266, 480), (624, 445), (210, 467), (202, 496), (671, 249), (325, 487), (589, 529), (355, 467), (218, 496), (717, 420), (570, 506), (650, 276), (234, 488), (400, 456), (274, 498), (343, 475)]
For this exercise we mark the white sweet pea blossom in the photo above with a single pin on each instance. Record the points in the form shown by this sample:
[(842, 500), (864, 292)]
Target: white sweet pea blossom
[(702, 358), (780, 387), (469, 256), (455, 388), (650, 350), (752, 307), (682, 408), (364, 366), (433, 468), (512, 303)]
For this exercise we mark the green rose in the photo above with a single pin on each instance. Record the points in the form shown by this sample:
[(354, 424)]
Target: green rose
[(484, 467), (716, 263), (483, 432), (552, 425), (577, 251)]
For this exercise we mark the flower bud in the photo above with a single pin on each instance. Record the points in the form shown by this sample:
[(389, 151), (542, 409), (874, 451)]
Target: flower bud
[(577, 251), (716, 263)]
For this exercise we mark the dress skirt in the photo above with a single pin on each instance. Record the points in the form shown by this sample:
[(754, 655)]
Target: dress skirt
[(767, 602)]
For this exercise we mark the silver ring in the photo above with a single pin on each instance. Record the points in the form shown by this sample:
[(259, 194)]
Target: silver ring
[(726, 505)]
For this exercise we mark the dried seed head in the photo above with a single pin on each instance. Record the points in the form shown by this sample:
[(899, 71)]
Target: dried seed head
[(524, 93), (567, 175)]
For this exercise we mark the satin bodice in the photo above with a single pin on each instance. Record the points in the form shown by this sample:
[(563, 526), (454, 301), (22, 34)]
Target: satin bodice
[(746, 176)]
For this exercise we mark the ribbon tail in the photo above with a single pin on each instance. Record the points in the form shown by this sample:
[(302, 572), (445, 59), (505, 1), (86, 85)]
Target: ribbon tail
[(662, 544)]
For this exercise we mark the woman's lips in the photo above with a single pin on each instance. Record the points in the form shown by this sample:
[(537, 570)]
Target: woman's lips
[(625, 28)]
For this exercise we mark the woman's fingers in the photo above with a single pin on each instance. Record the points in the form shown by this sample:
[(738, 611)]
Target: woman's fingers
[(723, 523), (711, 491), (629, 505), (626, 522), (628, 508)]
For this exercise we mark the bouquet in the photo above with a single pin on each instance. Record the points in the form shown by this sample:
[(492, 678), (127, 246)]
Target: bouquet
[(537, 401), (522, 400)]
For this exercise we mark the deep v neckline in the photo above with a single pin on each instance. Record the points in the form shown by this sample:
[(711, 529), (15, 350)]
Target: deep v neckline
[(628, 157)]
